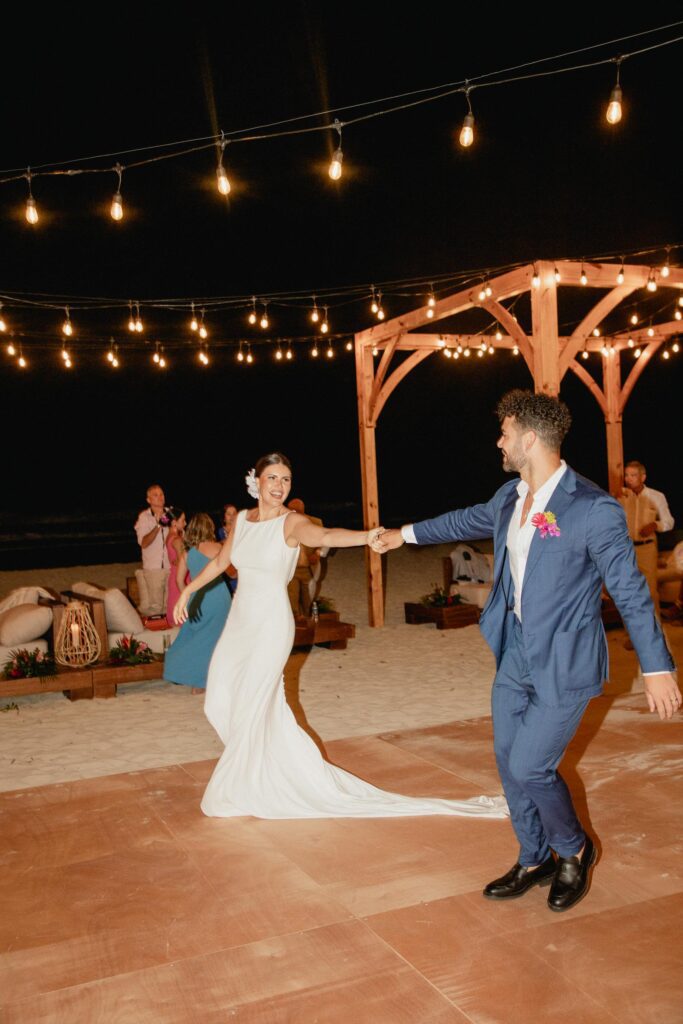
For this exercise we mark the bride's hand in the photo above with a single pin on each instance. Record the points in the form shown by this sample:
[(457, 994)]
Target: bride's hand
[(375, 540), (180, 610)]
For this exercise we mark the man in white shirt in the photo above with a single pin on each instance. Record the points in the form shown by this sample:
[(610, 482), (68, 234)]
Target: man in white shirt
[(152, 534), (556, 537), (635, 476)]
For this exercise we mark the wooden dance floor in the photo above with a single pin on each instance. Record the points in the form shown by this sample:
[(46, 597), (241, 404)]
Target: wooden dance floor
[(122, 903)]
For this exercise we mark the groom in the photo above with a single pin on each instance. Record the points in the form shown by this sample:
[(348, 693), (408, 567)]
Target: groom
[(557, 537)]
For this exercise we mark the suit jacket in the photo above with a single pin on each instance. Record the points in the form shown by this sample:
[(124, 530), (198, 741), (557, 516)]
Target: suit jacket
[(561, 592)]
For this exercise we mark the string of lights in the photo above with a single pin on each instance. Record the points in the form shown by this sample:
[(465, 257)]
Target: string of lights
[(280, 129), (193, 335)]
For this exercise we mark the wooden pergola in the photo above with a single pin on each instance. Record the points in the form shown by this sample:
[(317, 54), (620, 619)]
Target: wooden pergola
[(547, 355)]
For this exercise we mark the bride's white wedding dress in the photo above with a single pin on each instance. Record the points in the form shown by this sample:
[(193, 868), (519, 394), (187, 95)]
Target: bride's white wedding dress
[(270, 767)]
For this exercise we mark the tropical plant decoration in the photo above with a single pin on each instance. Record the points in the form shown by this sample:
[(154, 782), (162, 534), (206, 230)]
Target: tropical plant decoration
[(438, 597), (25, 664), (129, 651)]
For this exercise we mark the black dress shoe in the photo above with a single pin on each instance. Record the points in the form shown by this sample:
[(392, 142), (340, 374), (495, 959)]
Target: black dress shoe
[(518, 879), (572, 876)]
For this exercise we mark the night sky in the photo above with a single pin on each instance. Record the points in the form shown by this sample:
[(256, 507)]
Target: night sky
[(546, 178)]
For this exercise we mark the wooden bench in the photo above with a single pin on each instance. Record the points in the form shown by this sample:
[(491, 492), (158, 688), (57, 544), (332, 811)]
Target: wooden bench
[(328, 631), (453, 616)]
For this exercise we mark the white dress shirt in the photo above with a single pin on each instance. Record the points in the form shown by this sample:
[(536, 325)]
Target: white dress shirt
[(519, 537), (154, 556), (665, 521)]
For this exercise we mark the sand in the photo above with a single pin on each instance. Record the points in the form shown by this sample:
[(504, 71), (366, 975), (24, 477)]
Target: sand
[(398, 677)]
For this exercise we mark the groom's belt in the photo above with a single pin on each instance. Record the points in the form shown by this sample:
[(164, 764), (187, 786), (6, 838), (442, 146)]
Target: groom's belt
[(637, 543)]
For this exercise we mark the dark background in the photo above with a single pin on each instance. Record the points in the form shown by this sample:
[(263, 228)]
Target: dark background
[(546, 178)]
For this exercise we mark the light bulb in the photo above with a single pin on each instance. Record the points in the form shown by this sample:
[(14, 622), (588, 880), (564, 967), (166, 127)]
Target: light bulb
[(596, 332), (264, 322), (466, 352), (650, 332), (604, 350), (430, 313), (314, 351), (162, 363), (131, 324), (11, 351), (156, 357), (67, 328), (535, 280), (110, 356), (31, 215), (278, 354), (489, 290), (431, 301), (448, 354), (676, 347), (373, 306), (491, 350), (680, 301), (139, 326), (203, 333), (634, 318), (115, 362), (466, 137), (515, 351), (335, 171), (22, 362), (484, 345), (665, 354), (349, 346), (240, 356), (68, 364), (678, 315), (482, 294), (194, 324), (631, 342), (315, 315), (613, 114), (330, 352), (665, 270), (456, 354), (64, 354), (3, 326), (584, 354), (620, 275), (499, 336), (480, 352), (651, 284), (380, 314), (250, 358), (289, 354), (583, 278), (558, 276), (222, 181), (324, 327), (637, 353), (375, 351), (251, 318), (116, 209)]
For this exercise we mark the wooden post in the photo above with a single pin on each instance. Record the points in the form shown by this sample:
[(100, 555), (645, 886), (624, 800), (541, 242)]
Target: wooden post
[(611, 385), (545, 340), (368, 467)]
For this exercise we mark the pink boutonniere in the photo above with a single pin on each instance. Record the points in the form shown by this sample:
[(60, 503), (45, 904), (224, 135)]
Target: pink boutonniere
[(546, 523)]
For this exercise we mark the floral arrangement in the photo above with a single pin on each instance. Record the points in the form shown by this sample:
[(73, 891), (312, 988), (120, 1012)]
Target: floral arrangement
[(24, 664), (438, 597), (546, 522), (129, 651)]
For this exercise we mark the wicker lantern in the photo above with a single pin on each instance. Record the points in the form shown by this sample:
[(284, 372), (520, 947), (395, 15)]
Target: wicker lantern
[(77, 642)]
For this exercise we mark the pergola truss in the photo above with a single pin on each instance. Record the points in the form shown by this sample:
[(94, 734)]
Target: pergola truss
[(547, 354)]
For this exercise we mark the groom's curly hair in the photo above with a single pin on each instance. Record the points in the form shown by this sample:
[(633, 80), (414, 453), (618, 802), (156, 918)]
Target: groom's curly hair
[(548, 416)]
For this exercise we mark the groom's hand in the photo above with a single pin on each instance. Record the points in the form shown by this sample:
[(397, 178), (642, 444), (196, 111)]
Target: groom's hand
[(663, 695), (392, 539)]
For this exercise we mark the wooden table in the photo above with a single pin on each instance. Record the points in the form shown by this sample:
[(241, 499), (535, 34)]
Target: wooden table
[(328, 630), (453, 616)]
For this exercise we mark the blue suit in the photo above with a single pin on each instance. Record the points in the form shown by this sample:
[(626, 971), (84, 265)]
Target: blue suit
[(555, 660)]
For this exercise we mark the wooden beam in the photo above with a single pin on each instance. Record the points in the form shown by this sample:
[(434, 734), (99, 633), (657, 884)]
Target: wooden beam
[(611, 376), (637, 369), (368, 465), (592, 319), (604, 275), (381, 371), (397, 376), (545, 340), (592, 385), (511, 283), (507, 320)]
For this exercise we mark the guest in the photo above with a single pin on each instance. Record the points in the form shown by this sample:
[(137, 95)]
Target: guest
[(647, 514), (151, 528), (224, 532), (187, 660), (175, 550), (299, 587)]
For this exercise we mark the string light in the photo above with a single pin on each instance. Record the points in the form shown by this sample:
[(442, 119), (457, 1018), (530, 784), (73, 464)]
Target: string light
[(456, 354), (499, 335), (139, 326), (614, 110), (110, 353), (31, 208), (634, 318), (67, 327), (156, 357), (675, 347), (116, 209), (637, 353), (264, 322), (680, 300), (651, 283), (620, 275), (289, 354), (11, 351), (21, 361), (162, 363), (491, 350), (535, 280), (678, 315), (64, 354), (349, 346), (278, 352), (194, 323), (315, 315), (665, 354), (584, 354), (380, 312), (665, 270), (650, 332), (480, 352), (466, 137), (240, 354), (596, 332), (330, 351), (373, 305), (335, 169), (466, 353), (431, 301), (3, 325), (250, 358), (631, 342), (222, 179), (447, 352), (203, 357), (482, 293), (604, 350), (515, 351), (375, 351), (252, 315), (314, 351), (202, 331), (583, 278), (131, 321), (325, 326), (558, 276)]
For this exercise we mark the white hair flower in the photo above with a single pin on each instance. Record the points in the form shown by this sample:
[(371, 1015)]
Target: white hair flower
[(252, 484)]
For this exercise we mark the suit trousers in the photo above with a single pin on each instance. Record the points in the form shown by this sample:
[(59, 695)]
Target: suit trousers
[(530, 739)]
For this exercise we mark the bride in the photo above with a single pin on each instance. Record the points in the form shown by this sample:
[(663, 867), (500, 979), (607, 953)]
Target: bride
[(270, 767)]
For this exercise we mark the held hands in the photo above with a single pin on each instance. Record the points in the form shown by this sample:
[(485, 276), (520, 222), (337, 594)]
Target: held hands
[(663, 695), (381, 540)]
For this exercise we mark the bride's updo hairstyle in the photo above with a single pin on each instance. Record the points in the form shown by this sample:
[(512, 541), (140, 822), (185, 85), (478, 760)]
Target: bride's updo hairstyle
[(271, 459)]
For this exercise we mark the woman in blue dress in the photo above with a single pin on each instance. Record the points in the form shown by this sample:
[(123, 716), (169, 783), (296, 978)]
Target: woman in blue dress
[(187, 659)]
